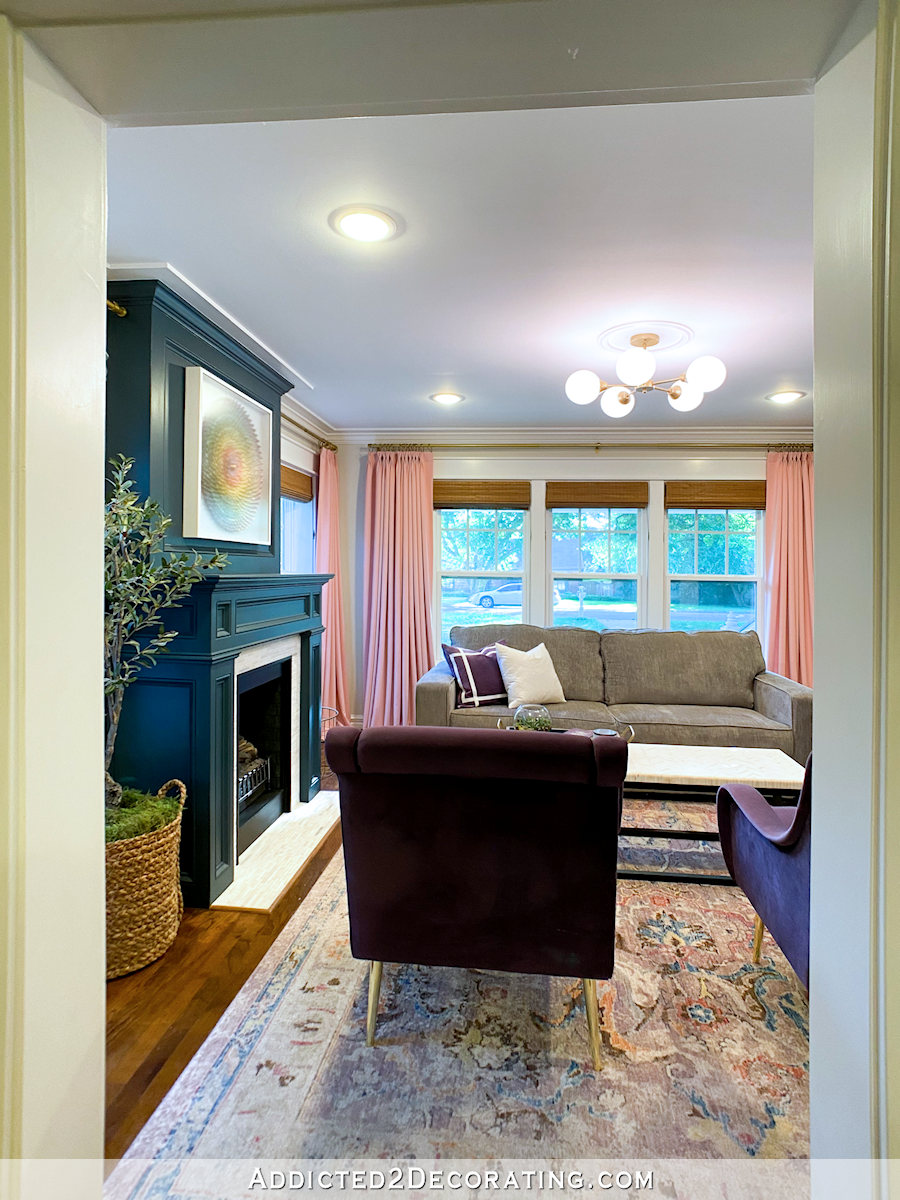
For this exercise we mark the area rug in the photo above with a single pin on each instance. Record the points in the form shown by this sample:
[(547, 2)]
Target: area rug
[(705, 1055), (701, 856)]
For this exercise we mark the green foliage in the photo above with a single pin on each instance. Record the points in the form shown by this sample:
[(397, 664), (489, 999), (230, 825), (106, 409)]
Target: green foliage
[(703, 552), (141, 580), (598, 540), (539, 724), (482, 539), (139, 813)]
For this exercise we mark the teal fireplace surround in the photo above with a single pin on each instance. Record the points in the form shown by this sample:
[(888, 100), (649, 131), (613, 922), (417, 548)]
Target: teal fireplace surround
[(178, 716)]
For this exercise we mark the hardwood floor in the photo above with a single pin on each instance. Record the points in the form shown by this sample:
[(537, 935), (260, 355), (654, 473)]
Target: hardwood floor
[(157, 1018)]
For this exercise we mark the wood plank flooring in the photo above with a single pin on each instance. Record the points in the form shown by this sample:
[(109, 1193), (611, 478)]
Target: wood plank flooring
[(158, 1018)]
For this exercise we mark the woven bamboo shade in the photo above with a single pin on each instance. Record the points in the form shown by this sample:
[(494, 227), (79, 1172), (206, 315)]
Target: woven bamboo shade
[(716, 493), (482, 493), (597, 493), (295, 485)]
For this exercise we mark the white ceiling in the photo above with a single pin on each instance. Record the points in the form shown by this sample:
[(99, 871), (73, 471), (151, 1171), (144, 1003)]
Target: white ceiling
[(140, 62), (528, 233)]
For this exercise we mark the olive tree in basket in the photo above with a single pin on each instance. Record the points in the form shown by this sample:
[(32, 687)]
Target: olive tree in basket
[(141, 581), (143, 895)]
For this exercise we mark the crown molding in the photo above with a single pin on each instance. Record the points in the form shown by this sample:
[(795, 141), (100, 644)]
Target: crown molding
[(582, 437), (306, 421), (183, 287), (292, 435)]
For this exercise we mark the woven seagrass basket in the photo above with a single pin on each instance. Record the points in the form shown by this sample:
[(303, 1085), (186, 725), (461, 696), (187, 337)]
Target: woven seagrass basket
[(143, 894)]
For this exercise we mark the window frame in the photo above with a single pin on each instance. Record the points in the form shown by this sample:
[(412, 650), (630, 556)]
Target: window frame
[(504, 576), (643, 558), (759, 578), (313, 505)]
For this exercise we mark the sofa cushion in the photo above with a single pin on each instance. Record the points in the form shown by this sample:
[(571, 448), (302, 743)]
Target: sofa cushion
[(575, 652), (574, 714), (704, 725), (478, 677), (656, 667)]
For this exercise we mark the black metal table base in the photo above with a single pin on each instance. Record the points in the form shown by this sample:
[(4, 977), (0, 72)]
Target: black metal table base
[(690, 794)]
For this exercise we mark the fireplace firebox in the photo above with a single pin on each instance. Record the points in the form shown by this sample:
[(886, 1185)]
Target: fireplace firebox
[(263, 758)]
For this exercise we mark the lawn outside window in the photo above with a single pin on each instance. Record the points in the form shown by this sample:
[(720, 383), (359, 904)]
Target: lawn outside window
[(715, 563), (482, 569), (596, 559)]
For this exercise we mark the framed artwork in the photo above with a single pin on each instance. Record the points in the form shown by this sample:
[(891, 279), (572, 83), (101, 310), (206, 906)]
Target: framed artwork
[(227, 462)]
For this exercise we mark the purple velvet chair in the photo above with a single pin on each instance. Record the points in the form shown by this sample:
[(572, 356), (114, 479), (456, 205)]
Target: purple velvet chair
[(481, 848), (766, 849)]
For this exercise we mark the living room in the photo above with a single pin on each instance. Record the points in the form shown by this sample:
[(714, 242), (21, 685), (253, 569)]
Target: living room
[(535, 455)]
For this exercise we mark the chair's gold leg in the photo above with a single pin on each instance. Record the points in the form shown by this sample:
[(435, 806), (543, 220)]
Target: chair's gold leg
[(375, 969), (593, 1020), (758, 931)]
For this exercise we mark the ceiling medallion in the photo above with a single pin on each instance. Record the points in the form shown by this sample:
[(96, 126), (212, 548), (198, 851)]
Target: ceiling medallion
[(671, 334), (635, 367)]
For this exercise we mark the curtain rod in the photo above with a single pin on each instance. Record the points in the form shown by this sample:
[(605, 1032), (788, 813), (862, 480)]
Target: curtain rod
[(323, 443), (791, 447), (595, 446)]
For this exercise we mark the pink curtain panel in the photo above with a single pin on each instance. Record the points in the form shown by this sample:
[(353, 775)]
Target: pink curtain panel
[(789, 564), (328, 561), (399, 553)]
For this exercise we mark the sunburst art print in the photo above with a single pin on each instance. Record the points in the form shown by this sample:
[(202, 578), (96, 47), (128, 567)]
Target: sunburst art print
[(227, 462)]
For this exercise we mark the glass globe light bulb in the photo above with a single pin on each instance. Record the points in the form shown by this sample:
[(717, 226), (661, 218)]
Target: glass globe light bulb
[(635, 366), (617, 401), (684, 396), (583, 387), (707, 373)]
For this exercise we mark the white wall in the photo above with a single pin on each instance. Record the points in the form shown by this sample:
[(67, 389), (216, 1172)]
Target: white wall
[(52, 599), (842, 983), (298, 450), (565, 462)]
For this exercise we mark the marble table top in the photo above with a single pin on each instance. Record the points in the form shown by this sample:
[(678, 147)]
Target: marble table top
[(712, 765)]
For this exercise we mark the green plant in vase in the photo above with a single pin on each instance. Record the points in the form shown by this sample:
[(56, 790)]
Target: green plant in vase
[(141, 580), (534, 717)]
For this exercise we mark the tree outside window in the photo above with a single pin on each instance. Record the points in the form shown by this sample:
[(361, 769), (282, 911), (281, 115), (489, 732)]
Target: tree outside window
[(482, 566), (594, 560), (714, 563)]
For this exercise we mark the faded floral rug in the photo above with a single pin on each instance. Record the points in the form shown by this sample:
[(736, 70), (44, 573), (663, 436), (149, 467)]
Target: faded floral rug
[(700, 856), (705, 1055)]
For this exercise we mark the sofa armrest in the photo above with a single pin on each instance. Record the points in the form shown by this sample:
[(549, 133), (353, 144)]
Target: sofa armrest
[(788, 702), (435, 696)]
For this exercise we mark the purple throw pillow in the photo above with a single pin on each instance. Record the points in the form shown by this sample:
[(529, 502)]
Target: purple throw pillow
[(477, 673)]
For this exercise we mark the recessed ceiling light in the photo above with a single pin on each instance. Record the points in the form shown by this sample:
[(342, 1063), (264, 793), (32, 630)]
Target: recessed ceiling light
[(448, 399), (785, 397), (363, 224)]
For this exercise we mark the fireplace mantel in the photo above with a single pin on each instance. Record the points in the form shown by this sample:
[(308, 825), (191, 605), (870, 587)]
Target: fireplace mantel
[(178, 716)]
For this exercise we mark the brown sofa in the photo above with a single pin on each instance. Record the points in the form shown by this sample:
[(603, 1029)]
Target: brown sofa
[(706, 689)]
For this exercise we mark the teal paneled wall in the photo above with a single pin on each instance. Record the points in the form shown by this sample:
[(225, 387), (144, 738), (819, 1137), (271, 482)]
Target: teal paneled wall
[(149, 349)]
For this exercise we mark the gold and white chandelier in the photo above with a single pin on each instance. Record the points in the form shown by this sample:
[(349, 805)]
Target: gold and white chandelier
[(635, 369)]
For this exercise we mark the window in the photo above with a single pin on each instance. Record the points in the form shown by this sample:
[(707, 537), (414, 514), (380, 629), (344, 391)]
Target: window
[(595, 567), (298, 536), (714, 568), (482, 565)]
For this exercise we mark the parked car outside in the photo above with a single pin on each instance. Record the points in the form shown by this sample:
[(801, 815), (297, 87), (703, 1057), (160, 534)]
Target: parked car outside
[(507, 594)]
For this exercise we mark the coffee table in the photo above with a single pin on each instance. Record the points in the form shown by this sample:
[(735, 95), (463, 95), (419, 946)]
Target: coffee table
[(693, 774)]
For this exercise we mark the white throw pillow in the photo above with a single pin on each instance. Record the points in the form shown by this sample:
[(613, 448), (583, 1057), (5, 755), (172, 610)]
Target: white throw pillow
[(529, 676)]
